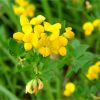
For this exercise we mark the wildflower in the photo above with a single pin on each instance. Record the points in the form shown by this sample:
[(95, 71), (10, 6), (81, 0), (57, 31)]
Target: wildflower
[(23, 7), (54, 29), (69, 89), (27, 46), (37, 20), (88, 28), (38, 29), (93, 71), (34, 86), (58, 46), (96, 23), (44, 46), (18, 36), (45, 38), (62, 51), (69, 33), (24, 20)]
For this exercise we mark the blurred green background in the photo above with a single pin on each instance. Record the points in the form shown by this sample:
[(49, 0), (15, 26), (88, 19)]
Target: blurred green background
[(72, 13)]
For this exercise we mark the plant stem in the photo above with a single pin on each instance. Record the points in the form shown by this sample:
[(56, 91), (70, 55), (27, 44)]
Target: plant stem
[(48, 91)]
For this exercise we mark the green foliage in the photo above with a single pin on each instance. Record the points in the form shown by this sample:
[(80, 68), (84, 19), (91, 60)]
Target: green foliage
[(18, 66)]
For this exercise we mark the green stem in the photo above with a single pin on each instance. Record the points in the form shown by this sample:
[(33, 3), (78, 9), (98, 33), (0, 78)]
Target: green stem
[(48, 91), (58, 84)]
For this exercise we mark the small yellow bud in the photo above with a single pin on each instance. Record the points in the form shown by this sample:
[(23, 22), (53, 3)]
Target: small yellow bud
[(70, 87), (88, 28), (69, 33), (18, 36), (92, 76), (63, 41), (45, 51), (37, 20), (67, 93), (96, 23), (27, 29), (28, 38), (38, 29), (18, 10), (62, 51), (27, 46), (24, 20)]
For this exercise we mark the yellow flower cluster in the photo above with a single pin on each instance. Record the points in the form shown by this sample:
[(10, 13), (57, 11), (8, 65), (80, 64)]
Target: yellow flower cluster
[(24, 7), (69, 89), (93, 71), (43, 36), (34, 86), (88, 27)]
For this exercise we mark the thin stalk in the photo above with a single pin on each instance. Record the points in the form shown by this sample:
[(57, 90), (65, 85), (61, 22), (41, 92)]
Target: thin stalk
[(48, 91), (58, 84)]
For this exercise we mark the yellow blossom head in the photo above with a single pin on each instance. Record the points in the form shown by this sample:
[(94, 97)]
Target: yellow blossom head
[(62, 51), (88, 28), (96, 23), (23, 7), (37, 20), (69, 89), (27, 46), (18, 36), (69, 33)]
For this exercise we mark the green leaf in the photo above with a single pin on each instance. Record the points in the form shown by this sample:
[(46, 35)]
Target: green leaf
[(16, 49), (81, 63)]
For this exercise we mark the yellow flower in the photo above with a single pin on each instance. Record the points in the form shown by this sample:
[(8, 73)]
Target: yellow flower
[(22, 3), (63, 41), (88, 28), (26, 26), (47, 26), (28, 37), (96, 23), (23, 7), (38, 29), (69, 33), (18, 10), (24, 20), (52, 28), (35, 40), (67, 93), (27, 29), (29, 11), (37, 20), (62, 51), (44, 46), (93, 71), (92, 76), (45, 51), (69, 89), (27, 46), (98, 63), (58, 44), (18, 36)]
